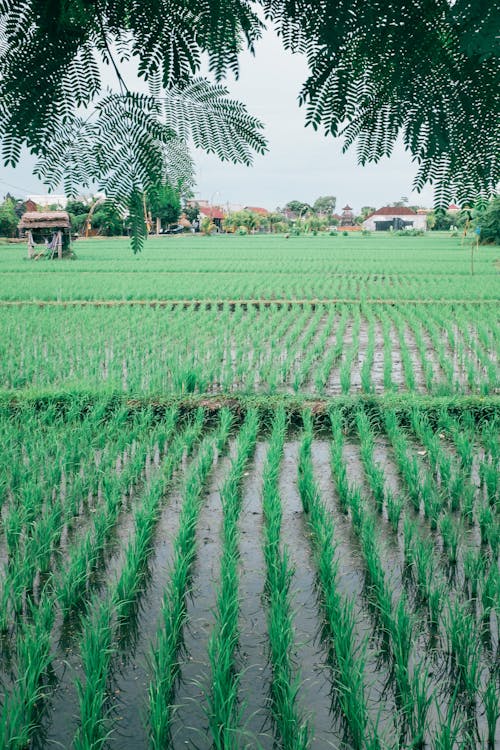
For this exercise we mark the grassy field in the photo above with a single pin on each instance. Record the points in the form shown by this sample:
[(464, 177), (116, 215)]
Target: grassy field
[(250, 495)]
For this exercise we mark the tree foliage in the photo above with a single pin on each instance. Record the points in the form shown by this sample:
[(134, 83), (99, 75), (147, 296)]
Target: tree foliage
[(489, 223), (8, 218), (423, 70), (325, 205), (165, 205), (426, 70)]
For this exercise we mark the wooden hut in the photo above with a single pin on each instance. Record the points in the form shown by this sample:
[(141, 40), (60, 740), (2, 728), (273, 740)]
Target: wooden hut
[(48, 233)]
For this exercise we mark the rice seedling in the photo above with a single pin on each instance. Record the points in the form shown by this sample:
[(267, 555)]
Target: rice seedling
[(96, 651), (292, 729), (464, 648), (491, 708), (394, 508)]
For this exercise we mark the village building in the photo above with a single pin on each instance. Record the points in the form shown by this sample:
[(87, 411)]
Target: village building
[(394, 217), (347, 218), (214, 213)]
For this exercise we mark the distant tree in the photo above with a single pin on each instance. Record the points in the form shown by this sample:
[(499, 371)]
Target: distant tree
[(8, 218), (165, 205), (77, 208), (444, 220), (325, 205), (108, 220), (298, 207), (366, 210), (248, 219), (430, 220), (19, 208), (275, 221), (78, 212), (489, 223), (401, 202), (315, 223), (192, 212)]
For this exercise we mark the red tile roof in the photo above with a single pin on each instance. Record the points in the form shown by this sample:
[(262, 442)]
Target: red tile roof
[(392, 211), (213, 212), (257, 210)]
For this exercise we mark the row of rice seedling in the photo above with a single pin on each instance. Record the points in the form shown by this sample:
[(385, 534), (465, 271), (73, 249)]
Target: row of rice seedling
[(350, 353), (332, 356), (291, 727), (105, 617), (270, 349), (222, 696), (396, 621), (34, 655), (367, 366), (400, 325), (347, 656), (310, 357), (164, 655)]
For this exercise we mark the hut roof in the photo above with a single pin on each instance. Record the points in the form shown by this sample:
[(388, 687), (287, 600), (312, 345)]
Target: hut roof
[(45, 220)]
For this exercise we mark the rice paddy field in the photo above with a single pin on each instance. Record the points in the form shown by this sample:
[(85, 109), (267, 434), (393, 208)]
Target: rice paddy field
[(249, 495)]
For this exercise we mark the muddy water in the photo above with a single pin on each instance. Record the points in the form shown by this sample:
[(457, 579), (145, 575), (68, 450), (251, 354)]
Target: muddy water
[(415, 359), (333, 386), (377, 373), (256, 674), (397, 363), (360, 356)]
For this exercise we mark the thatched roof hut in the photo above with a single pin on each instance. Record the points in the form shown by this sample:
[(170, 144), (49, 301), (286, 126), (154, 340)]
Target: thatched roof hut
[(48, 232), (35, 220)]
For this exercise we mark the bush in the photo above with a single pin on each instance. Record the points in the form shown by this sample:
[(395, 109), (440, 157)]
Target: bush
[(346, 234), (409, 233)]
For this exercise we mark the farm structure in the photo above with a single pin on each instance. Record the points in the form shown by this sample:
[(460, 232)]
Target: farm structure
[(394, 217), (48, 233)]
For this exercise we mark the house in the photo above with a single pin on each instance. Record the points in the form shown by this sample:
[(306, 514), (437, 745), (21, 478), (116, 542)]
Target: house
[(30, 206), (394, 217), (214, 213)]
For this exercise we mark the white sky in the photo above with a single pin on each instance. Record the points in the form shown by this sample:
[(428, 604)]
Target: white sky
[(301, 163)]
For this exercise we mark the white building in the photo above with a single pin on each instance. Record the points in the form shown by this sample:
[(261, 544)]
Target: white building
[(395, 217)]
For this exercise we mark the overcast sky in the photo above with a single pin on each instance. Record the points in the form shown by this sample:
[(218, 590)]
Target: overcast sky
[(300, 164)]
